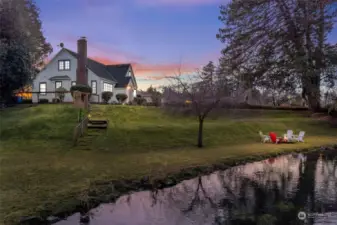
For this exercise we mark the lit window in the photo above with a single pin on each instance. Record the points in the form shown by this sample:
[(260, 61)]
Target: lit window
[(107, 87), (94, 87), (43, 88), (73, 83), (64, 64), (61, 65), (67, 65), (58, 84)]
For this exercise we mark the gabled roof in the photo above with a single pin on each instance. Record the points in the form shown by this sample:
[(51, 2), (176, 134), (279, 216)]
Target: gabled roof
[(98, 68), (119, 72)]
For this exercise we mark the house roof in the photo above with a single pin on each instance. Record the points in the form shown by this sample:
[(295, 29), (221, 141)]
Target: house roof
[(98, 68), (65, 77), (119, 72)]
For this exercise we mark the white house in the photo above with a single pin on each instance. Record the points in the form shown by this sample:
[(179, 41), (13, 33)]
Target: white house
[(62, 69)]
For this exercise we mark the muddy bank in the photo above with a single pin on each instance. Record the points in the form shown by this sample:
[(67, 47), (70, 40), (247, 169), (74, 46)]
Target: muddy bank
[(105, 192)]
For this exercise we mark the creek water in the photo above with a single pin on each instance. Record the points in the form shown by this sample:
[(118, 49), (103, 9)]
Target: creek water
[(272, 191)]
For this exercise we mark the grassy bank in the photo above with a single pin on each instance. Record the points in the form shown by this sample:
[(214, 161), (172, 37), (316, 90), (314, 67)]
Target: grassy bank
[(42, 172)]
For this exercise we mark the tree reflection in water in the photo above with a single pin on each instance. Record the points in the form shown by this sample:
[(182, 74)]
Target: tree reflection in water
[(268, 192)]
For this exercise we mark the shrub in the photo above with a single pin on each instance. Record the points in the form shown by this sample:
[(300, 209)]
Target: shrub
[(106, 96), (43, 100), (27, 101), (56, 100), (60, 93), (139, 100), (81, 88), (121, 97)]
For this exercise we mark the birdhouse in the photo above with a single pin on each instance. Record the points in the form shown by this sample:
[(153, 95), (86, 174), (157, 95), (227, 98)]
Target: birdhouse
[(81, 99)]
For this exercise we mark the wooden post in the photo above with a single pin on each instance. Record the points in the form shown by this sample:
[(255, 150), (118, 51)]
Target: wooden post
[(80, 115), (82, 127), (86, 95), (75, 135)]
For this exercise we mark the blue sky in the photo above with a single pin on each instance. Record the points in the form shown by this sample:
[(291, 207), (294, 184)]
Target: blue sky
[(157, 36)]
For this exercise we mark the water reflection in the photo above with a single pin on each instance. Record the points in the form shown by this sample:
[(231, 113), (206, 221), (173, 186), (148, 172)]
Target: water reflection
[(269, 192)]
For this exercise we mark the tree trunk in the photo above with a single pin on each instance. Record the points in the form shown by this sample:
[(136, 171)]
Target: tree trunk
[(200, 143), (311, 90), (314, 102), (274, 100), (314, 95)]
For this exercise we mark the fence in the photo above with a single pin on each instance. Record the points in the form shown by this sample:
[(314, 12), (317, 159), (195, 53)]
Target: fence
[(48, 97), (80, 129)]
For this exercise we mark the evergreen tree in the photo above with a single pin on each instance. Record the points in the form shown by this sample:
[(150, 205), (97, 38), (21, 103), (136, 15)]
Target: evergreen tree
[(208, 72), (23, 47), (155, 95)]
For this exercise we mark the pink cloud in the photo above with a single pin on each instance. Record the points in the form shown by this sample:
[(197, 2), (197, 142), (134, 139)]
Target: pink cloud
[(106, 61), (149, 71), (163, 69)]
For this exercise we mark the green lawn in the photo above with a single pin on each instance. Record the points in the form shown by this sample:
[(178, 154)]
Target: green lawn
[(40, 170)]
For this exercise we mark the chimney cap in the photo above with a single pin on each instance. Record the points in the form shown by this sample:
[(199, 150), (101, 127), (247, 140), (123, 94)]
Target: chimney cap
[(83, 37)]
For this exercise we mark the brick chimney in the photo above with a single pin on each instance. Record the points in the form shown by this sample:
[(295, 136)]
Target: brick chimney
[(81, 72)]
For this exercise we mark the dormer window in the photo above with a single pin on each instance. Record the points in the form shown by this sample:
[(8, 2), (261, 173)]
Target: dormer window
[(64, 65), (129, 73)]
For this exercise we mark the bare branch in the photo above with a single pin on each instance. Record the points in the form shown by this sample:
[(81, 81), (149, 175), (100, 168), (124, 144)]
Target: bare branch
[(200, 92)]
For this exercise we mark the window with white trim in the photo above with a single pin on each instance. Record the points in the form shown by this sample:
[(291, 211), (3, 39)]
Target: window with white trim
[(58, 84), (94, 86), (43, 88), (64, 65), (107, 87)]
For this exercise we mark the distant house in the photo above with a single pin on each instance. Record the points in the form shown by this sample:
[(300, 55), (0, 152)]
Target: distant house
[(147, 96), (61, 71)]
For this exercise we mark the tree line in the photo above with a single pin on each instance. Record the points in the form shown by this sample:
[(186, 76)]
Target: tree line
[(280, 46)]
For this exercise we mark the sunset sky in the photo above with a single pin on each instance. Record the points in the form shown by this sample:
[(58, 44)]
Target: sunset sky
[(157, 36)]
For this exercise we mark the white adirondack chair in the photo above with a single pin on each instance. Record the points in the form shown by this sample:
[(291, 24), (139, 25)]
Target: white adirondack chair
[(290, 136), (299, 137), (264, 138)]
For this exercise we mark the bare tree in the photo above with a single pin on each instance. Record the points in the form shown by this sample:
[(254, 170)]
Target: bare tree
[(198, 91)]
